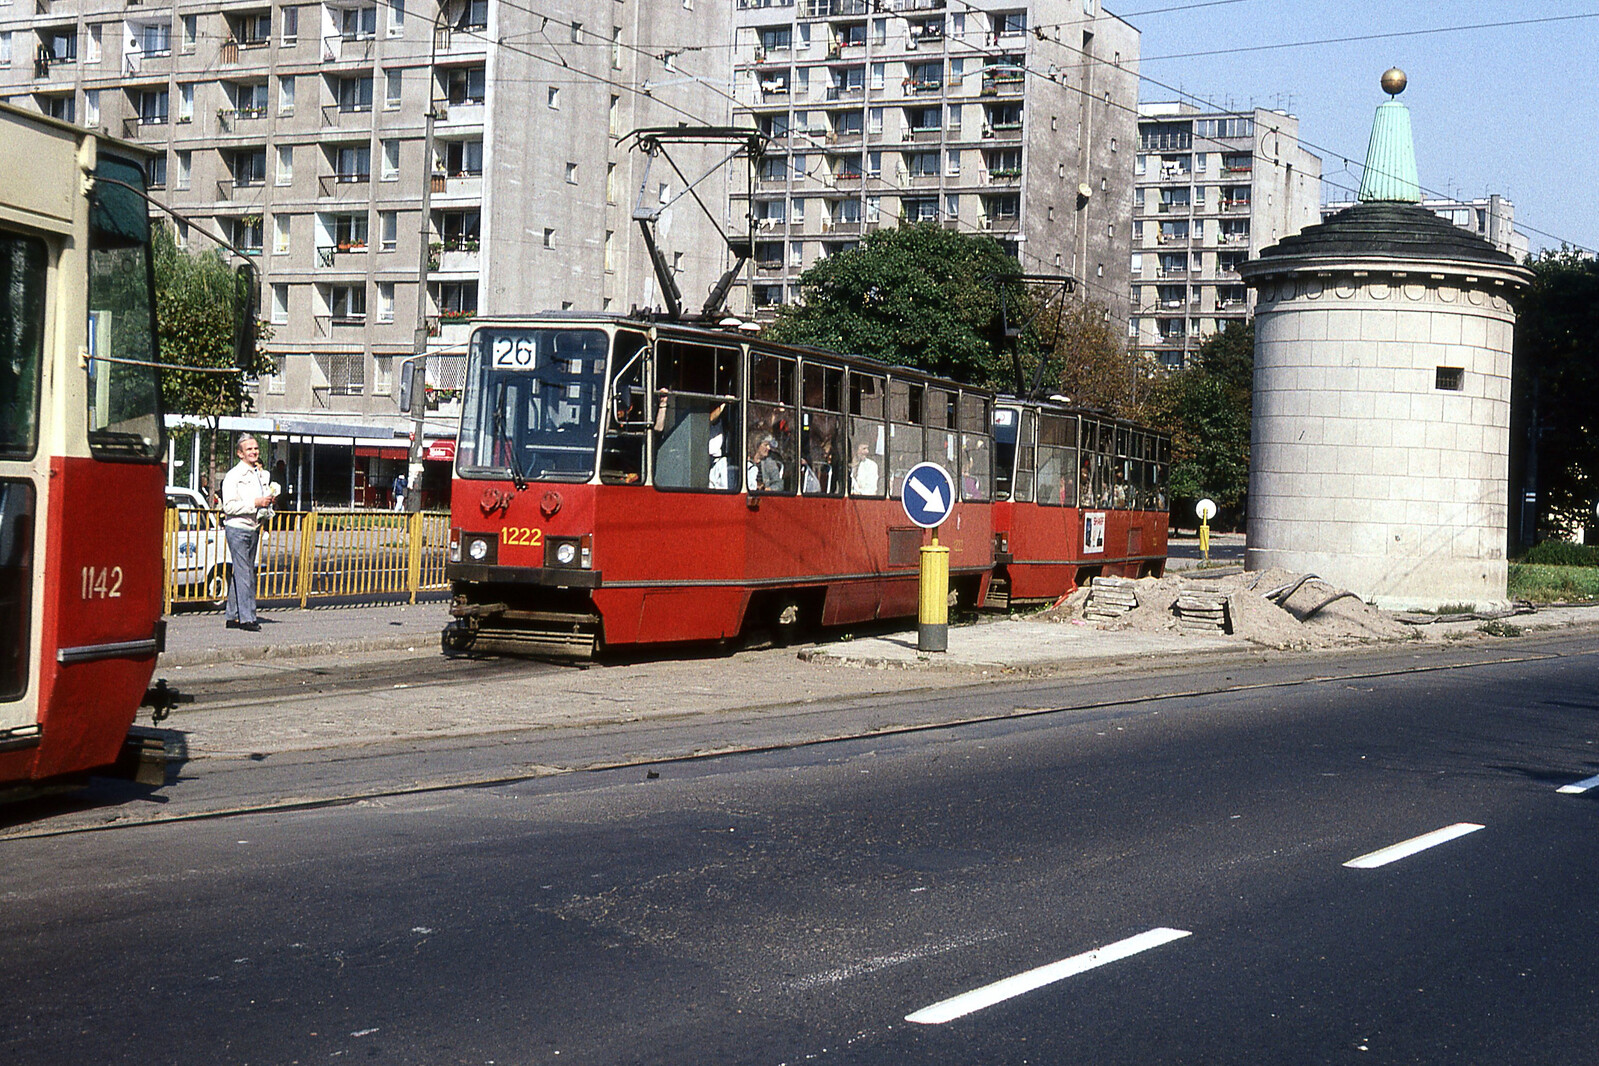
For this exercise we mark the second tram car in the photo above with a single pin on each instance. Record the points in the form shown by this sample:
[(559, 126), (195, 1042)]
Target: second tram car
[(621, 481), (1077, 495)]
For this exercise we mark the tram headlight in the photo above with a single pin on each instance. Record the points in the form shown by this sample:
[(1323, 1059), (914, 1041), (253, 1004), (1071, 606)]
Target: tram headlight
[(566, 554), (478, 549)]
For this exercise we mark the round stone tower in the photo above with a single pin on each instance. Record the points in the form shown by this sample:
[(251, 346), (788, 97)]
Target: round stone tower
[(1381, 426)]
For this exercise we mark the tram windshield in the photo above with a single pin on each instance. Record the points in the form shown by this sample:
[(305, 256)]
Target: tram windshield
[(531, 410), (124, 386)]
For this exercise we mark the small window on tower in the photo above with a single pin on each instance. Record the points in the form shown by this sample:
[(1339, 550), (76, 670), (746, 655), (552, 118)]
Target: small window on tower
[(1450, 378)]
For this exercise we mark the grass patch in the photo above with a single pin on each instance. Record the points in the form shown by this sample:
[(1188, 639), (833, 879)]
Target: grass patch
[(1540, 583), (1499, 628), (1562, 553)]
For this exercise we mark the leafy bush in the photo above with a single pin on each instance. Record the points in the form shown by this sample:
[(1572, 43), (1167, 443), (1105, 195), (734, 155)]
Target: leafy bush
[(1563, 553)]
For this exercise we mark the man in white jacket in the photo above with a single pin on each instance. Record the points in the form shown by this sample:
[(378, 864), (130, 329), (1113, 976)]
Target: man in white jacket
[(247, 498)]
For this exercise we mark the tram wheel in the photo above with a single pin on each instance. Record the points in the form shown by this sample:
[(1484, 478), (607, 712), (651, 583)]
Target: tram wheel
[(455, 639)]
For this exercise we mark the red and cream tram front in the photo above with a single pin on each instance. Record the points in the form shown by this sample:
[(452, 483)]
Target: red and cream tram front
[(80, 440), (622, 482)]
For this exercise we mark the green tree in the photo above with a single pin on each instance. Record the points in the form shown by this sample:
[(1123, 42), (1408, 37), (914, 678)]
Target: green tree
[(915, 295), (1206, 409), (1555, 396), (195, 313), (1089, 360)]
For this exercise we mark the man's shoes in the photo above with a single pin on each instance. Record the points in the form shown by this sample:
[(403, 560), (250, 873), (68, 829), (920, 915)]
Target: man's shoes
[(233, 623), (250, 627)]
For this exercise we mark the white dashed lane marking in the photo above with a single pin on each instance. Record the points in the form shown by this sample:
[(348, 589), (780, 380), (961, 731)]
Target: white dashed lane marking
[(1579, 787), (968, 1002), (1405, 849)]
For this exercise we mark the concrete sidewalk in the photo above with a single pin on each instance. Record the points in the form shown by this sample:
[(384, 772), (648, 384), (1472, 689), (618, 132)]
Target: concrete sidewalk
[(197, 638)]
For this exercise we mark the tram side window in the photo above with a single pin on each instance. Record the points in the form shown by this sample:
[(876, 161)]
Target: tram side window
[(1104, 459), (124, 396), (627, 421), (1122, 488), (16, 585), (696, 401), (904, 431), (938, 435), (1162, 500), (769, 462), (821, 424), (22, 281), (1026, 458), (868, 441), (1057, 459), (977, 458)]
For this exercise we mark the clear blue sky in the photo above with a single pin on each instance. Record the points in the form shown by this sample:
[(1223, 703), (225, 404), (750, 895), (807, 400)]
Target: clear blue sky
[(1512, 109)]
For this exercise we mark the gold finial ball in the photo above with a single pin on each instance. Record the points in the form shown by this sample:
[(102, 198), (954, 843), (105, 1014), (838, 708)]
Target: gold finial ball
[(1393, 81)]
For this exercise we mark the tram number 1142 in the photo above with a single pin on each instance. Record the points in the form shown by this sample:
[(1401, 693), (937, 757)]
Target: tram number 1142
[(102, 582)]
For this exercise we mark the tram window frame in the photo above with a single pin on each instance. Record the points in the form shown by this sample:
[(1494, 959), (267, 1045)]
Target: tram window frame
[(868, 395), (976, 451), (905, 437), (822, 454), (695, 404), (623, 443), (772, 416), (18, 518), (1055, 451), (24, 269), (124, 410), (940, 439), (1104, 458), (1024, 481)]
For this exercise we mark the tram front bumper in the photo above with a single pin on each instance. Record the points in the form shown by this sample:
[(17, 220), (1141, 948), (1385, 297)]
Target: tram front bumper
[(552, 576)]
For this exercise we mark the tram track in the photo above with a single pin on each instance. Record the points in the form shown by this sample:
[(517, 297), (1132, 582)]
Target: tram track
[(497, 759)]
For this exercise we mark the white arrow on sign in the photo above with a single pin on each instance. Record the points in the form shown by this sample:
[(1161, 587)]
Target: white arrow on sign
[(931, 497)]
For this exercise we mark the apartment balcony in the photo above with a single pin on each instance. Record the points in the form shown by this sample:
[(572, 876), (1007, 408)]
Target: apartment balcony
[(448, 42), (1005, 175), (1003, 131), (356, 186), (818, 9), (1236, 207), (1232, 238), (460, 113), (769, 268), (155, 64), (1243, 169), (925, 181), (1003, 225), (1172, 238), (923, 85), (854, 137), (463, 186), (841, 226), (845, 92), (1002, 84), (850, 179), (338, 49), (1174, 208), (773, 226), (933, 134), (1172, 272), (232, 189), (141, 127)]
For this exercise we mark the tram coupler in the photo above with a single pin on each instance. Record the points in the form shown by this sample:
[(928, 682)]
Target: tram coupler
[(143, 759), (932, 613)]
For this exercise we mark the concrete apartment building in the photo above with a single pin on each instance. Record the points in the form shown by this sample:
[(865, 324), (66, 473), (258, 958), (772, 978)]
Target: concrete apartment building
[(1211, 190), (1015, 118), (1493, 218), (298, 130)]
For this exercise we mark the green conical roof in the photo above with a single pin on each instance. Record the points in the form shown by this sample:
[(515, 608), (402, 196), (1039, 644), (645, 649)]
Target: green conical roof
[(1390, 158)]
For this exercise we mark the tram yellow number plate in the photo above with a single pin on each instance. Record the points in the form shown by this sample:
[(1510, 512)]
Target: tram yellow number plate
[(523, 535)]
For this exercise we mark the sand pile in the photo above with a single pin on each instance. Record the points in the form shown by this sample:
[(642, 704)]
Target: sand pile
[(1273, 608)]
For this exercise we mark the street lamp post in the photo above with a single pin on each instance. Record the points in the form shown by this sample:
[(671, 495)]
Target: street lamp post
[(449, 11)]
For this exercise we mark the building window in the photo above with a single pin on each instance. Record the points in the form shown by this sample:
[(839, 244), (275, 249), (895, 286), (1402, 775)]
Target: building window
[(291, 25), (396, 22), (549, 237), (391, 161), (184, 166), (388, 230), (280, 305), (467, 85), (286, 94), (358, 23), (191, 29), (347, 303), (571, 173), (391, 89), (355, 94), (552, 99), (458, 299), (280, 234), (249, 168), (463, 158), (385, 301), (1449, 378), (353, 163), (285, 164), (156, 171)]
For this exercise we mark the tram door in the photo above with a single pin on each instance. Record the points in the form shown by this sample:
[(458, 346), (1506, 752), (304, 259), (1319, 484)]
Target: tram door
[(23, 261)]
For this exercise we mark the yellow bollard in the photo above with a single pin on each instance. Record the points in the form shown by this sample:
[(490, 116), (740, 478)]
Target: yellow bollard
[(1204, 539), (932, 613)]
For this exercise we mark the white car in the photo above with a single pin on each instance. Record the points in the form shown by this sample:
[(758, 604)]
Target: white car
[(198, 551)]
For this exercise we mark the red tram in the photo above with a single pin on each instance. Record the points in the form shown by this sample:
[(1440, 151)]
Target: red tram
[(621, 481), (81, 497), (81, 441)]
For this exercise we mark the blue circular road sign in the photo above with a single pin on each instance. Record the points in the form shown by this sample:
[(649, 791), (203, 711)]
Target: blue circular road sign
[(928, 495)]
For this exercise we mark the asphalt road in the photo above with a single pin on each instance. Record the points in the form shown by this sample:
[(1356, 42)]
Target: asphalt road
[(1177, 864)]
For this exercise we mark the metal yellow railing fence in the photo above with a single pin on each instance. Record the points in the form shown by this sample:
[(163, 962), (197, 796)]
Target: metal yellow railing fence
[(310, 555)]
